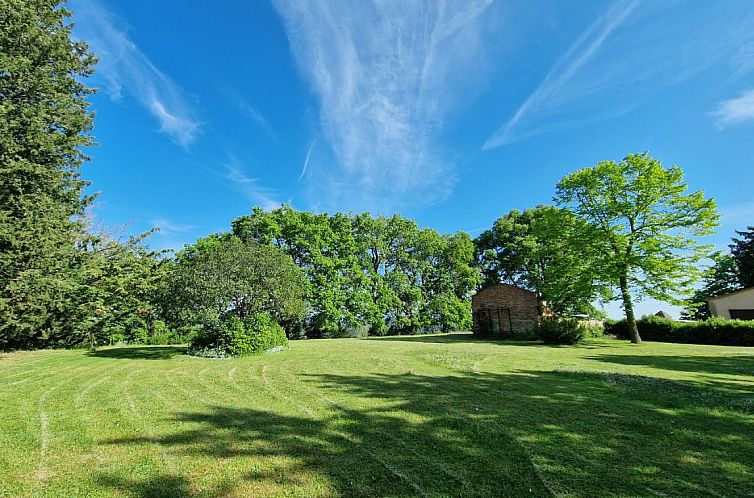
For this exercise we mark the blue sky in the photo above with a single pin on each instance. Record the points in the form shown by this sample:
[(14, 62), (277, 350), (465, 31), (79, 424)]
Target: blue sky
[(451, 113)]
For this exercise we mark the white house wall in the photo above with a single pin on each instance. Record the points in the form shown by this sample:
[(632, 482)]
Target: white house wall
[(721, 306)]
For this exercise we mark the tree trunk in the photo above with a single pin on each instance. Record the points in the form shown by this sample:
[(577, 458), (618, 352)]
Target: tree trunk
[(628, 307)]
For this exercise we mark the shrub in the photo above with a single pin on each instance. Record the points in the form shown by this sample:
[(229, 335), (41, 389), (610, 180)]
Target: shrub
[(356, 331), (265, 333), (716, 330), (256, 334), (135, 330), (117, 338), (592, 329), (561, 331)]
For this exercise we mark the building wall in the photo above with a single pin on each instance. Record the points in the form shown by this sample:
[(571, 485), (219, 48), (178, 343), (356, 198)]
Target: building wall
[(741, 300), (523, 305)]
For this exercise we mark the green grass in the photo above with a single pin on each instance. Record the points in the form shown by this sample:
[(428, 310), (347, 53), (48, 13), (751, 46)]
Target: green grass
[(433, 415)]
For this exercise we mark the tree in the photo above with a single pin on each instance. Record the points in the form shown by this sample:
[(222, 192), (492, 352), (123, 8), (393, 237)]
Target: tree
[(641, 228), (534, 250), (383, 273), (222, 276), (742, 251), (324, 248), (120, 284), (723, 277), (44, 123)]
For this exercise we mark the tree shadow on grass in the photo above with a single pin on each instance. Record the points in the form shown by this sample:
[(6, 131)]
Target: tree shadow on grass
[(358, 454), (139, 352), (639, 435), (468, 337), (159, 486), (454, 338), (728, 365), (521, 434)]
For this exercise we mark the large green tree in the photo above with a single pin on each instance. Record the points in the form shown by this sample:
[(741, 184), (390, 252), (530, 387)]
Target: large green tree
[(642, 228), (381, 272), (742, 251), (221, 276), (534, 250), (44, 123)]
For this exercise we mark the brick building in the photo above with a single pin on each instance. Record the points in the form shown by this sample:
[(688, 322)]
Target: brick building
[(506, 310)]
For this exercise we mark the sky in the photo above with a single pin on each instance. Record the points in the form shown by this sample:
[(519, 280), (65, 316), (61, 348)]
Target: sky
[(449, 112)]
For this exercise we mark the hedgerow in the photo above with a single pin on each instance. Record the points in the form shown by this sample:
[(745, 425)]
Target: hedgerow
[(714, 330)]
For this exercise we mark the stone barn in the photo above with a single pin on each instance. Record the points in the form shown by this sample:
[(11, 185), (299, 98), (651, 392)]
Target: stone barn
[(506, 310)]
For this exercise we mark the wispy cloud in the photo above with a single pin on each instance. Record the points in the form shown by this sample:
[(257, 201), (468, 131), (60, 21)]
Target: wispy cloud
[(257, 117), (125, 69), (632, 51), (306, 160), (385, 75), (248, 186), (168, 228), (736, 110), (565, 68)]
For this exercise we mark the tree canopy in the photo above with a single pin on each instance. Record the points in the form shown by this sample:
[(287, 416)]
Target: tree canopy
[(44, 123), (742, 251), (222, 275), (642, 228), (722, 277), (386, 274), (534, 250)]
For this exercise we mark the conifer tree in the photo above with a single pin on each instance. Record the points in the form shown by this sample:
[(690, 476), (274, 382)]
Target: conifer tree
[(44, 123), (742, 250)]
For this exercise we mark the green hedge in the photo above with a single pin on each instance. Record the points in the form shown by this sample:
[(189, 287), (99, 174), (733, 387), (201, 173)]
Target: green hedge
[(561, 331), (715, 330)]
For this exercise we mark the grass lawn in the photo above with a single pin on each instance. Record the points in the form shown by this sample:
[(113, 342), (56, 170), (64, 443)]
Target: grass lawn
[(432, 415)]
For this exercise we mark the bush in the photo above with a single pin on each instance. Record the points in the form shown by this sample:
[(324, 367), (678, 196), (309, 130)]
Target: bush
[(716, 331), (256, 334), (561, 331), (356, 331), (592, 329), (135, 330), (265, 333)]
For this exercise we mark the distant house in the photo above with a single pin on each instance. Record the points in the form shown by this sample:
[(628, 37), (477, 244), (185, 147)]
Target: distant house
[(503, 309), (664, 314), (739, 304)]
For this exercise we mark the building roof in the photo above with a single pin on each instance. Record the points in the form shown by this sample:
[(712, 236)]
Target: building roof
[(480, 291), (748, 289), (664, 314)]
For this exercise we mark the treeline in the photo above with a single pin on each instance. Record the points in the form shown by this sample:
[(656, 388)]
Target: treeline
[(377, 275), (621, 229), (62, 283)]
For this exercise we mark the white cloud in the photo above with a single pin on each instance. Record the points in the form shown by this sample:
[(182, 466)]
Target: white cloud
[(125, 69), (565, 68), (257, 117), (385, 75), (631, 52), (306, 160), (250, 187), (736, 110), (168, 228)]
